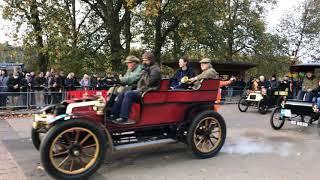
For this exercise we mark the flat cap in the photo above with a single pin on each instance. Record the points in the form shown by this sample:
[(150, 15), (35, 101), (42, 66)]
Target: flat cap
[(132, 59), (205, 60)]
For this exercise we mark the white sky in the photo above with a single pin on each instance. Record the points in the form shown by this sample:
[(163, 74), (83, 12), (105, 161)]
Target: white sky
[(272, 17)]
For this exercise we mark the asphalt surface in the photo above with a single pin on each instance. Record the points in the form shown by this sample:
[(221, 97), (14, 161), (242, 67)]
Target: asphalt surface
[(253, 150)]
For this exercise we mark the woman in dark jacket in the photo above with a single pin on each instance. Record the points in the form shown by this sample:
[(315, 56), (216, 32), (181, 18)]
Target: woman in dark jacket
[(3, 87), (184, 71)]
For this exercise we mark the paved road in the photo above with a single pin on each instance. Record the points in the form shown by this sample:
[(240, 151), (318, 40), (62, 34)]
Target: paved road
[(252, 151)]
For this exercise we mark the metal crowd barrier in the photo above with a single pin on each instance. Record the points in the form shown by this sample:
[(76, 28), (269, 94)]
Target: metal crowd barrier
[(35, 99)]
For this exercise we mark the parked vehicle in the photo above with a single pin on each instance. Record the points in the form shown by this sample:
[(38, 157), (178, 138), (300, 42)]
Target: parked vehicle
[(77, 133)]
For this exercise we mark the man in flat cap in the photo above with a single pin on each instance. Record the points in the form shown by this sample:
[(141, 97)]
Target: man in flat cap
[(207, 72), (129, 80), (150, 80)]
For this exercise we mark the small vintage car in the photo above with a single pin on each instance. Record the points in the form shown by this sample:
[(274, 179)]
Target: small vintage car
[(298, 112), (261, 100), (74, 136)]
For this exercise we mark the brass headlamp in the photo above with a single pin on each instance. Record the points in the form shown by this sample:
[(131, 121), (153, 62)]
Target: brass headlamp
[(99, 106)]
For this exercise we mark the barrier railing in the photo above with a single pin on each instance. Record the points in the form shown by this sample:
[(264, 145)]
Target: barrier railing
[(32, 99), (37, 97)]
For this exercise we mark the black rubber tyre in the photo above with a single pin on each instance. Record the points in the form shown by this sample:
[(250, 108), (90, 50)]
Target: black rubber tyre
[(242, 105), (35, 137), (195, 129), (263, 106), (97, 135), (276, 113)]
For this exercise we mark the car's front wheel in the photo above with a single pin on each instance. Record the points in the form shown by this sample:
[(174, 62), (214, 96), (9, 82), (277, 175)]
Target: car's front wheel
[(276, 119), (73, 150), (207, 134)]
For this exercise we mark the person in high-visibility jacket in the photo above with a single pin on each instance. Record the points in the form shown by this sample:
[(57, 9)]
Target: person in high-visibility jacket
[(222, 84)]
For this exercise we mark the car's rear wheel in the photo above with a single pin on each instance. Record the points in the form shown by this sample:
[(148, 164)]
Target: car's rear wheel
[(263, 106), (242, 104), (276, 120), (207, 134), (73, 150)]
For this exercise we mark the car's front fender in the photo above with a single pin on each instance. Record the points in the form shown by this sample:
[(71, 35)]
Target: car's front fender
[(46, 122)]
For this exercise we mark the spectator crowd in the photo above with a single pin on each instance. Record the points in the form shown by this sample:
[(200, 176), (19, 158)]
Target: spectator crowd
[(28, 89)]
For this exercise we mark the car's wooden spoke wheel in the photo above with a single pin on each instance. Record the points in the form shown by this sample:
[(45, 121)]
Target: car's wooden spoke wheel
[(74, 150), (207, 135)]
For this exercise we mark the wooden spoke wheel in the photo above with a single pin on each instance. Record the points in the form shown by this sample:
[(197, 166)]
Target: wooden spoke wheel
[(276, 120), (73, 150), (207, 134)]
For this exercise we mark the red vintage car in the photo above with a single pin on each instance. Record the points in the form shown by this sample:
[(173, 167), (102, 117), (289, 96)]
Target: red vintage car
[(74, 136)]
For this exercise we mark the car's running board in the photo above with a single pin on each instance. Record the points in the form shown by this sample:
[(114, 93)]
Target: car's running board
[(145, 143)]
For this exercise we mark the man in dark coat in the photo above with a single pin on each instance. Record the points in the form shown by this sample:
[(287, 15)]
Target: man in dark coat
[(14, 88), (56, 89), (25, 88), (39, 84), (150, 80)]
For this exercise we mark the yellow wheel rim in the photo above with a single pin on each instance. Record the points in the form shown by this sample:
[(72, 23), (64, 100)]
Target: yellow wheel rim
[(74, 150), (207, 135)]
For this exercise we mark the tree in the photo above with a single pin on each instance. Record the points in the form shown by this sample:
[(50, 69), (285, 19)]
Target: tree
[(300, 27), (116, 17), (30, 10)]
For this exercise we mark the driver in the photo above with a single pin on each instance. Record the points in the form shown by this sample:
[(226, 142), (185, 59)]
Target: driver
[(207, 72), (309, 84), (263, 83), (150, 80), (129, 80)]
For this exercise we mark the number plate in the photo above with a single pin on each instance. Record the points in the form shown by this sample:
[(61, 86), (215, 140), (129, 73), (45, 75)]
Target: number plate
[(298, 123), (286, 112)]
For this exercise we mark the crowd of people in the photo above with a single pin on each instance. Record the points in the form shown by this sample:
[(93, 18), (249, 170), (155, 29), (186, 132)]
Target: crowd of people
[(30, 89), (289, 84)]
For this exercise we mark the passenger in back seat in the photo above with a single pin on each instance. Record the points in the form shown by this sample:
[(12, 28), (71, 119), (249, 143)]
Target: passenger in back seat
[(207, 72), (184, 71)]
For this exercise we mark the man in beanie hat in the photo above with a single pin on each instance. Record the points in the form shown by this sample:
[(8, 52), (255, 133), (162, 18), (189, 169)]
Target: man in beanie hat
[(207, 72), (150, 80), (129, 80)]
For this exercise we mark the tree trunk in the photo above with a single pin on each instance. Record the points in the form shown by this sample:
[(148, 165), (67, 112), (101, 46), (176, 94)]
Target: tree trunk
[(158, 41), (126, 30), (35, 21), (74, 22)]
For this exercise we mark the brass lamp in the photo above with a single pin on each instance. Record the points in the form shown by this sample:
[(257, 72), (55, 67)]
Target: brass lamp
[(99, 106)]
